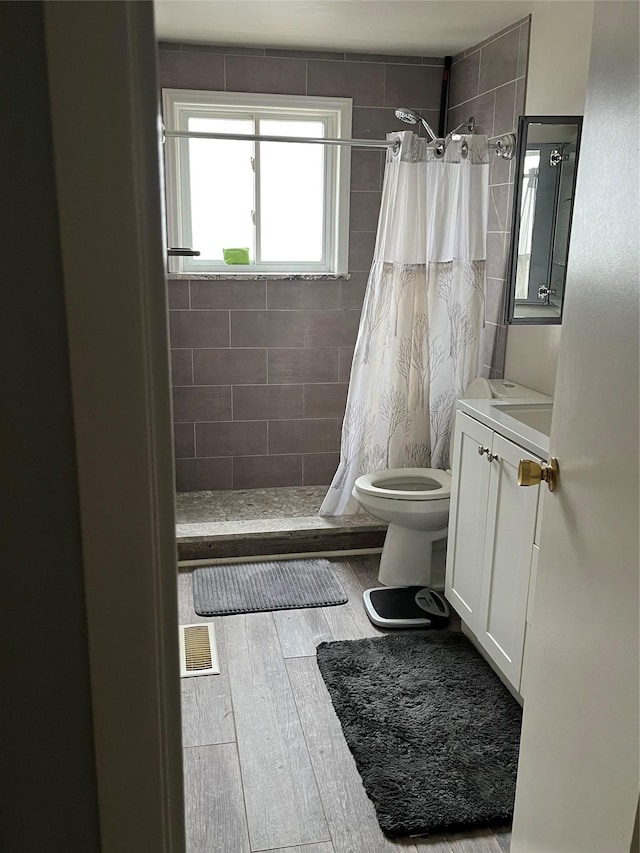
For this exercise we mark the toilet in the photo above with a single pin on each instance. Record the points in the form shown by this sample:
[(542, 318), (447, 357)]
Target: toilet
[(415, 504)]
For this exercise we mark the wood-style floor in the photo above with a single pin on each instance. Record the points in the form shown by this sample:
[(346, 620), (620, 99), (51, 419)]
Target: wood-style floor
[(266, 765)]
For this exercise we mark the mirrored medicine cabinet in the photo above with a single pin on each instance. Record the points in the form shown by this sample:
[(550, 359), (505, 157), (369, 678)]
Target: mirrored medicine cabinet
[(544, 187)]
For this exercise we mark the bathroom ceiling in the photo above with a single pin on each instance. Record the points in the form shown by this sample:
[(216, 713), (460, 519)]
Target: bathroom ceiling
[(420, 27)]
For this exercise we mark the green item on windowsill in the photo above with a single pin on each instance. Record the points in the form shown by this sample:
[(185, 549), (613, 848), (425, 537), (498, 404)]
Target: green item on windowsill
[(236, 256)]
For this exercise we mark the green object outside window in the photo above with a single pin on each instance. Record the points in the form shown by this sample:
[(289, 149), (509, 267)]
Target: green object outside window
[(236, 256)]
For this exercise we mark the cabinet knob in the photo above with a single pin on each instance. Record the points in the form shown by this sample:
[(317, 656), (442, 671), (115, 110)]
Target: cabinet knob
[(491, 457), (530, 473), (482, 450)]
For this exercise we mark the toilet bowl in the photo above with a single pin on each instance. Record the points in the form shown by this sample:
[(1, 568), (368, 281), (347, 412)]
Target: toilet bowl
[(415, 504)]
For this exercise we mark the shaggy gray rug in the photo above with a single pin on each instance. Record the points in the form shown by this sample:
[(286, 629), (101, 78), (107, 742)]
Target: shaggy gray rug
[(434, 732), (270, 585)]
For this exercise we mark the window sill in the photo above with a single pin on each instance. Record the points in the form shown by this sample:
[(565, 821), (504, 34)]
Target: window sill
[(259, 276)]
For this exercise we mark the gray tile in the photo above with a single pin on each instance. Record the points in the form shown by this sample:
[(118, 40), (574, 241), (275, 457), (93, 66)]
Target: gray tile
[(221, 49), (419, 86), (183, 441), (482, 108), (236, 438), (344, 364), (325, 400), (523, 49), (228, 294), (499, 169), (504, 119), (453, 118), (303, 294), (267, 402), (181, 367), (496, 255), (199, 329), (499, 207), (258, 472), (267, 328), (303, 436), (310, 364), (268, 75), (179, 70), (318, 468), (383, 57), (464, 79), (362, 82), (438, 61), (352, 291), (521, 93), (331, 328), (499, 61), (366, 169), (306, 54), (494, 345), (201, 403), (178, 291), (232, 50), (514, 26), (168, 45), (361, 246), (196, 475), (364, 211), (230, 366), (494, 300), (376, 122)]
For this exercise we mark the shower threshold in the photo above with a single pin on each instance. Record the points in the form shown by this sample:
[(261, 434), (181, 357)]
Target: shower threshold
[(260, 522)]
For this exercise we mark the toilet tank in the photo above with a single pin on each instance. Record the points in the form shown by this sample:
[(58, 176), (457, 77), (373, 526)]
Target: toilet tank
[(499, 389), (506, 389)]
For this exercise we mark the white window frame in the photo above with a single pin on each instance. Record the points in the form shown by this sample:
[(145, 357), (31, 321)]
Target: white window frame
[(335, 113)]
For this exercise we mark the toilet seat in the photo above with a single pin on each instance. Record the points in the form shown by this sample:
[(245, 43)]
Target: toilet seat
[(406, 484)]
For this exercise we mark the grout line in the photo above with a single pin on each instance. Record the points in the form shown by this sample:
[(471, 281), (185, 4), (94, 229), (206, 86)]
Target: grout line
[(487, 92)]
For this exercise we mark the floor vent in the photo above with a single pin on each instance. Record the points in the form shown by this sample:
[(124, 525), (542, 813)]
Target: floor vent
[(198, 650)]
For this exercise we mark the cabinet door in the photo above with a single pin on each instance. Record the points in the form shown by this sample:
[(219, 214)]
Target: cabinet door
[(467, 516), (511, 523)]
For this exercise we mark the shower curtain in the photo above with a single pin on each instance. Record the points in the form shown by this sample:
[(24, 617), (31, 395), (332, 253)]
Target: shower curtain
[(525, 237), (423, 315)]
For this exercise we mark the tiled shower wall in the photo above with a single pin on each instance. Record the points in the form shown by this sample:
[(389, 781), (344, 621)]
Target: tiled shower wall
[(260, 368), (488, 81)]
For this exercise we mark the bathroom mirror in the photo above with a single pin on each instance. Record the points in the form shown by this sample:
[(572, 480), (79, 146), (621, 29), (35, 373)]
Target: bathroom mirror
[(544, 187)]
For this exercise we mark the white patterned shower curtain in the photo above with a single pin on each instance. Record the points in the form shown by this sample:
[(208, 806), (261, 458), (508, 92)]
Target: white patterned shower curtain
[(423, 315)]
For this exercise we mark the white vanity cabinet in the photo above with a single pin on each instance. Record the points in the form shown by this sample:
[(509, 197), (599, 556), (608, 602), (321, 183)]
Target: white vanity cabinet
[(492, 525)]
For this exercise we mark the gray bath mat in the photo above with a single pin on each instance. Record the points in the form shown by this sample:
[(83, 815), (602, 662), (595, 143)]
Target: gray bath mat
[(274, 585), (434, 732)]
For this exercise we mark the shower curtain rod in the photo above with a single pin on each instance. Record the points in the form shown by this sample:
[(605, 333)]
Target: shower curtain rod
[(354, 143)]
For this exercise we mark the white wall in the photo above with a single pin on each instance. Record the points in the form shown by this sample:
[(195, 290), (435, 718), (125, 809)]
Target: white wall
[(559, 53)]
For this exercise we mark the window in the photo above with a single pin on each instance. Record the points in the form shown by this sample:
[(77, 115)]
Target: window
[(287, 203)]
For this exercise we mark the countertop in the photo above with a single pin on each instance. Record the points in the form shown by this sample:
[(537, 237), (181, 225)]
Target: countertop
[(494, 414)]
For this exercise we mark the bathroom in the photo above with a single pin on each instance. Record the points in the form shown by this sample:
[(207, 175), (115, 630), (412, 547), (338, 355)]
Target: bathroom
[(260, 374)]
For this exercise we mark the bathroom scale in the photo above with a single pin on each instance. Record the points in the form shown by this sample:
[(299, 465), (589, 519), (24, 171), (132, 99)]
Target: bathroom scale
[(406, 607)]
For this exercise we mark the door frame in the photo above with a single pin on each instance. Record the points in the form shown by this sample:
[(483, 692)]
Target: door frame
[(104, 111)]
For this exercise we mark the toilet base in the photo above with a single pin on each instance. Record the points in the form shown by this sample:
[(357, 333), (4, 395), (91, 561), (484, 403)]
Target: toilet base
[(406, 556), (406, 607)]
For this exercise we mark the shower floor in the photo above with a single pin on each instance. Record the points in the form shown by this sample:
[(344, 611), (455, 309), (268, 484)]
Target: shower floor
[(252, 522), (249, 504)]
